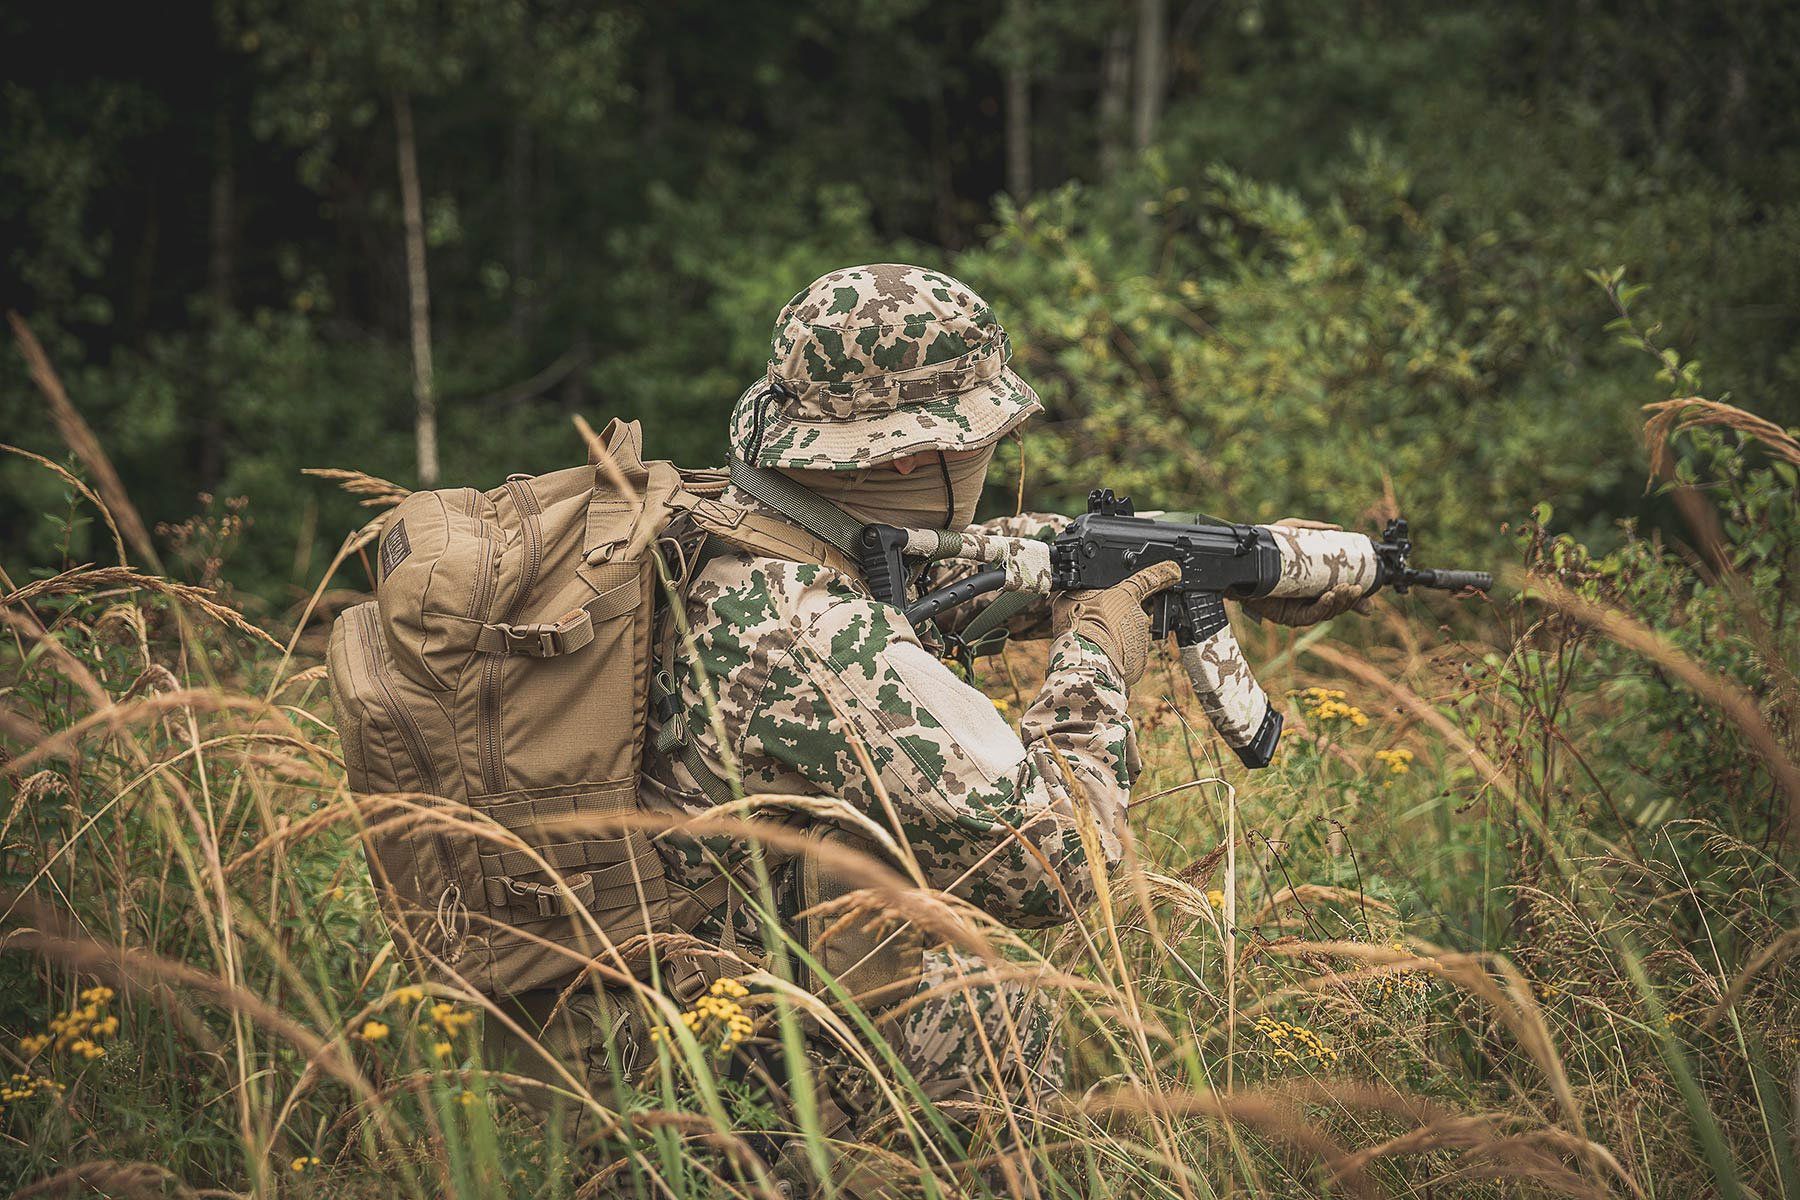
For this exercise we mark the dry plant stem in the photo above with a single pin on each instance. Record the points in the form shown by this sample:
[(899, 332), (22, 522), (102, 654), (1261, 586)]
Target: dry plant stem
[(128, 713), (110, 1177), (375, 491), (1090, 838), (1669, 417), (27, 627), (1776, 951), (91, 579), (157, 977), (1474, 973), (351, 544), (603, 459), (81, 439)]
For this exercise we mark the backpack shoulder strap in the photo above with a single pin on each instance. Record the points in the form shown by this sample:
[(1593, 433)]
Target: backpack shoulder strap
[(770, 536), (813, 513)]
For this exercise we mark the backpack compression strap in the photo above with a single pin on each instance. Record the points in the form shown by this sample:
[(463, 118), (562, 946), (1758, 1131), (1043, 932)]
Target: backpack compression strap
[(570, 632)]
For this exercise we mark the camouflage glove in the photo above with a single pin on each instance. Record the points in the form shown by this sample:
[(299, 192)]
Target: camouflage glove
[(1114, 618), (1297, 610)]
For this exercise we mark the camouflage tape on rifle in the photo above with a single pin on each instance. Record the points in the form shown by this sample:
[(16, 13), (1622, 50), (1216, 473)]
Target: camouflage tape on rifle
[(1313, 561), (1026, 561), (1228, 693)]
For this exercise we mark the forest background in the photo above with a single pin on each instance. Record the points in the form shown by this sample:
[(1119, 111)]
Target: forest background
[(1259, 258), (1514, 913)]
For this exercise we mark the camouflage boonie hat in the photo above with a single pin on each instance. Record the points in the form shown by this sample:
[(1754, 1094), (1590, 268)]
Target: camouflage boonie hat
[(874, 363)]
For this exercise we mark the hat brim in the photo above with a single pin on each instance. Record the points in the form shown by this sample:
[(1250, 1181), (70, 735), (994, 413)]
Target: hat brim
[(973, 418)]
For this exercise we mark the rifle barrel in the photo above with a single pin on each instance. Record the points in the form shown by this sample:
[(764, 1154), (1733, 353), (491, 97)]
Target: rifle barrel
[(1450, 581)]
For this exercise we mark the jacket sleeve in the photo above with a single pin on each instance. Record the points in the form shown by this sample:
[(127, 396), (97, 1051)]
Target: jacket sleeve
[(1031, 623), (989, 815)]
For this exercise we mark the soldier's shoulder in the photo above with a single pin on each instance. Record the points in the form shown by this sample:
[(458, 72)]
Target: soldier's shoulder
[(749, 590)]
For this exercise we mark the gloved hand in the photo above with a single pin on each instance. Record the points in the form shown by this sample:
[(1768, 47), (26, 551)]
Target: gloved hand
[(1298, 610), (1114, 617)]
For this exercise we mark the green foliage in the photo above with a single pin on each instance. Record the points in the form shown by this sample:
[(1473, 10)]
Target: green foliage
[(1347, 267), (1251, 353), (1347, 270)]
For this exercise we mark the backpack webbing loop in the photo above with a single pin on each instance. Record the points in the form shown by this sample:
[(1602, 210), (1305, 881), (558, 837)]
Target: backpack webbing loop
[(673, 736)]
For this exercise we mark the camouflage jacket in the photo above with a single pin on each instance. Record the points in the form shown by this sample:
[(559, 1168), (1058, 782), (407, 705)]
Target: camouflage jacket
[(802, 661)]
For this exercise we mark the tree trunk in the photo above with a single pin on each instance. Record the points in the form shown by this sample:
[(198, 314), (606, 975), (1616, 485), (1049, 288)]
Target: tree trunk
[(221, 263), (943, 184), (1018, 109), (1152, 70), (1115, 81), (418, 294), (221, 291), (518, 241)]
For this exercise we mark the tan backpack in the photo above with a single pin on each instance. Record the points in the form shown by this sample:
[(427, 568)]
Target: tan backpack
[(498, 682), (495, 692)]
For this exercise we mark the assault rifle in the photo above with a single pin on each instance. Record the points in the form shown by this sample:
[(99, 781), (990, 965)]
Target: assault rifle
[(1110, 542)]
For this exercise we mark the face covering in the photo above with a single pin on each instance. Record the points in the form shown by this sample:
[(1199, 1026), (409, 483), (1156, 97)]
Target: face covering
[(940, 494)]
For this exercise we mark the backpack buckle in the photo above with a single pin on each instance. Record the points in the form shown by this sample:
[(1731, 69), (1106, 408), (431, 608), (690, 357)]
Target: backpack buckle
[(544, 639), (533, 641)]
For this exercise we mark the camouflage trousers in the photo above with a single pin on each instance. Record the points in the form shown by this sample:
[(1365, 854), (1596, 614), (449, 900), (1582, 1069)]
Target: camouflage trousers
[(970, 1041), (969, 1038)]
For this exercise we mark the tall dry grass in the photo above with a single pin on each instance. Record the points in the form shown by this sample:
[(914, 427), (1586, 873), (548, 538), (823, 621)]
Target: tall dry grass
[(1431, 952)]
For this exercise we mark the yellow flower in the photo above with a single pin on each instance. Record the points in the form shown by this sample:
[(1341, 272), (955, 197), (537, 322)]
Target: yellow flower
[(412, 993), (1282, 1034), (716, 1019), (1328, 706), (302, 1162), (1398, 761), (31, 1046), (451, 1019), (373, 1031), (97, 995), (441, 1049), (1216, 898)]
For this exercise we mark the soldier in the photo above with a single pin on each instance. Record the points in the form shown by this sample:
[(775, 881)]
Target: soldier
[(886, 394)]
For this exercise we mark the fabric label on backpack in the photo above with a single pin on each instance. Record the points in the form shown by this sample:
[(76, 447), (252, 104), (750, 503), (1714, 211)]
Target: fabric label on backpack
[(394, 548)]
